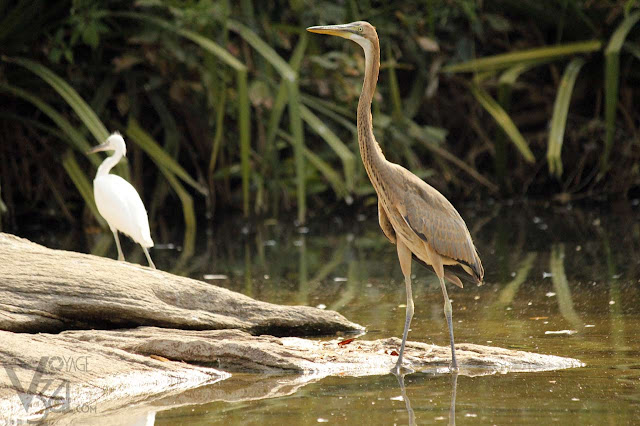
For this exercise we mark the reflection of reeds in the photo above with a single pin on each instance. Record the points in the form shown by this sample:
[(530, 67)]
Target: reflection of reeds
[(508, 293), (561, 287)]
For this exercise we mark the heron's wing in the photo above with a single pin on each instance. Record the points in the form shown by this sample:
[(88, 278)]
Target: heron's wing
[(432, 217), (385, 224)]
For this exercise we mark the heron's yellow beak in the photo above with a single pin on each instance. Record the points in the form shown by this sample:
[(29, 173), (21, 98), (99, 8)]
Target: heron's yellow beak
[(104, 147), (343, 30)]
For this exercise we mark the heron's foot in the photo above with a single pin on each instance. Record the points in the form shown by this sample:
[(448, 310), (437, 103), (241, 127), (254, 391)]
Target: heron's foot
[(453, 367), (121, 258)]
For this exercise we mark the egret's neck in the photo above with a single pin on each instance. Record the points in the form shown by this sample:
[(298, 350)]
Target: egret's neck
[(109, 163), (370, 151)]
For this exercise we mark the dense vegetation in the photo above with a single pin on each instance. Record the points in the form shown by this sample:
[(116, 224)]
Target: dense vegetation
[(233, 106)]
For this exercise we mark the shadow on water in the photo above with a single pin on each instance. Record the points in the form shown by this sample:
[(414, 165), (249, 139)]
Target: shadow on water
[(560, 281)]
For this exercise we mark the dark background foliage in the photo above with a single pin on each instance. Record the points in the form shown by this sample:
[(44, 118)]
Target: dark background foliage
[(275, 130)]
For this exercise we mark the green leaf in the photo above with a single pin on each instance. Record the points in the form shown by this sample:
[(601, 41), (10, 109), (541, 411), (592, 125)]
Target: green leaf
[(612, 81), (83, 185), (82, 109), (341, 150), (503, 120), (204, 42), (264, 50), (74, 137), (244, 112), (169, 169), (506, 60), (297, 132), (158, 155), (559, 118), (188, 244)]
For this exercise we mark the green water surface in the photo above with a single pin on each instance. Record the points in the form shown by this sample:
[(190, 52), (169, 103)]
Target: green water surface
[(547, 270)]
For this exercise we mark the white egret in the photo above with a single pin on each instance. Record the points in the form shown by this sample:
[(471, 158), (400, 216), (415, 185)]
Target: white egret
[(118, 201)]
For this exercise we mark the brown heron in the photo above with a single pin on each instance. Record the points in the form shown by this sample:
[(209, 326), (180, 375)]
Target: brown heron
[(412, 214)]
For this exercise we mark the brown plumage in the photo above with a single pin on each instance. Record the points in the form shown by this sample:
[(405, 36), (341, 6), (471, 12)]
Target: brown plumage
[(412, 214)]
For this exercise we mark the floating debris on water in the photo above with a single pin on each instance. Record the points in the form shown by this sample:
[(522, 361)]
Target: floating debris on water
[(321, 306), (397, 398), (568, 332), (589, 326), (215, 277), (546, 275), (550, 294), (340, 279)]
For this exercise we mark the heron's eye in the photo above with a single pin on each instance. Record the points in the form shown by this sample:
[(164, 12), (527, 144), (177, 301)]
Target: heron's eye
[(360, 29)]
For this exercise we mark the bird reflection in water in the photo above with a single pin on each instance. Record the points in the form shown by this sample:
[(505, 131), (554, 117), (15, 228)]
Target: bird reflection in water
[(407, 401)]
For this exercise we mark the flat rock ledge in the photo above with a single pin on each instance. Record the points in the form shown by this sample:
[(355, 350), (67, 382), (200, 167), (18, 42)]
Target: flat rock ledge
[(45, 290), (235, 350)]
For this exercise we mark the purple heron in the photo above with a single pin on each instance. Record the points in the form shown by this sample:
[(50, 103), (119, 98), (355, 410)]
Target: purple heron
[(413, 215)]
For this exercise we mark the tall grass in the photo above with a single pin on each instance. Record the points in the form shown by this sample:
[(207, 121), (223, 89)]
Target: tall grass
[(234, 103)]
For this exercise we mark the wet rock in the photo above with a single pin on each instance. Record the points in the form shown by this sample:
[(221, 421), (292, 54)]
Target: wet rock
[(45, 290), (46, 376), (235, 350)]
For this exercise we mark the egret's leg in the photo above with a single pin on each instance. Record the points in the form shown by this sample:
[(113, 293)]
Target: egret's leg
[(404, 255), (115, 235), (146, 253), (448, 315)]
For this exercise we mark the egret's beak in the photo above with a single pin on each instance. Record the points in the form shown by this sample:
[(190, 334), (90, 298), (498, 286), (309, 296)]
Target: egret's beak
[(343, 30), (105, 146)]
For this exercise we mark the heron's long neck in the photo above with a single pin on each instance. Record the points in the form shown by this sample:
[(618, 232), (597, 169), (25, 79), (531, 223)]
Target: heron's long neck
[(370, 151), (108, 164)]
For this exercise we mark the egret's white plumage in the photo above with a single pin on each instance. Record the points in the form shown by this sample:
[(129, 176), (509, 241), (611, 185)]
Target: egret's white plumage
[(118, 201)]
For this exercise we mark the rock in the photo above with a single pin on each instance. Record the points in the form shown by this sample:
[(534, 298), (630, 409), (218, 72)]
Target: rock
[(45, 290), (46, 376), (119, 373), (235, 350)]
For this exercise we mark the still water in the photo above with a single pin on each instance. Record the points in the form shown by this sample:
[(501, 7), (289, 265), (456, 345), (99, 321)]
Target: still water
[(558, 281)]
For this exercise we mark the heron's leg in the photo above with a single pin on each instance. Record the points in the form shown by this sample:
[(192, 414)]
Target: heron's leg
[(146, 253), (404, 255), (452, 407), (448, 315), (115, 235), (438, 267)]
